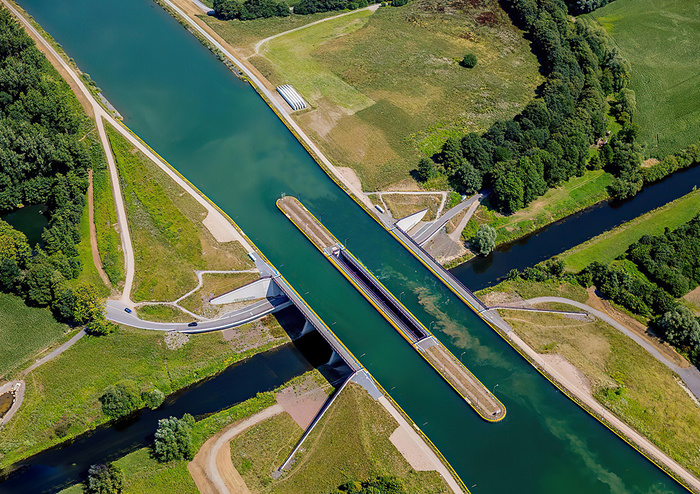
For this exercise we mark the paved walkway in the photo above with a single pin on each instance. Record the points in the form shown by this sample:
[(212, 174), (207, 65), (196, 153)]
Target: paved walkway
[(430, 229), (58, 351), (19, 398), (689, 375)]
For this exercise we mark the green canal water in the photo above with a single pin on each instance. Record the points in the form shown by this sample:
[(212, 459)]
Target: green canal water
[(220, 135)]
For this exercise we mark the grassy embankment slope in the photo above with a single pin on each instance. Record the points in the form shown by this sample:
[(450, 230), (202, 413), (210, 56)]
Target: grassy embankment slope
[(573, 195), (386, 88), (354, 432), (609, 245), (61, 399), (623, 376), (170, 241), (661, 39)]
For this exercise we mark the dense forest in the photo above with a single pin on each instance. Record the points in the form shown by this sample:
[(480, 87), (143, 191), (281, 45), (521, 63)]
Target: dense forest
[(45, 153), (549, 141)]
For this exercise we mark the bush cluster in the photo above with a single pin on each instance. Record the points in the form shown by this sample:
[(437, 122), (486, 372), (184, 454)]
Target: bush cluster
[(381, 484), (43, 159)]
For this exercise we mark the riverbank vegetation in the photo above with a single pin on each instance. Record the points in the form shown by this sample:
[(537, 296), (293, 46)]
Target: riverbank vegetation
[(169, 238), (613, 243), (61, 403), (354, 432), (662, 42), (622, 376), (397, 101), (48, 145)]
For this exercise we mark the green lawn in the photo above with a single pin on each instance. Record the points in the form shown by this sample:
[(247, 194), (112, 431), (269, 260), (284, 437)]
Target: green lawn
[(386, 88), (531, 289), (24, 331), (574, 195), (624, 378), (354, 433), (661, 39), (89, 272), (62, 395), (168, 236), (613, 243)]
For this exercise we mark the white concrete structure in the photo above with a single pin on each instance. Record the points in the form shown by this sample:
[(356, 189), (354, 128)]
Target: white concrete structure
[(408, 222), (262, 288), (292, 97)]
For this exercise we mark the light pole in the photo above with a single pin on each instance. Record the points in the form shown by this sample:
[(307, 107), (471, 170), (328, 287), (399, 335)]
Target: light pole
[(460, 356), (400, 295), (494, 388)]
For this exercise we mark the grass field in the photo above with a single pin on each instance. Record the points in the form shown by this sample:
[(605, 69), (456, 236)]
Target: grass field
[(613, 243), (572, 196), (354, 432), (531, 289), (214, 284), (108, 238), (402, 205), (61, 402), (169, 239), (144, 475), (661, 39), (624, 378), (386, 88), (24, 331)]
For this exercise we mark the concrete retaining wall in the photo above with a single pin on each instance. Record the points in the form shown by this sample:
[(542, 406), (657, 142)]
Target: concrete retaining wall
[(261, 288)]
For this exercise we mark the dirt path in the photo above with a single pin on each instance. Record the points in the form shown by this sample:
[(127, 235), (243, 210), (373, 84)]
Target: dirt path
[(93, 232), (263, 41), (212, 468)]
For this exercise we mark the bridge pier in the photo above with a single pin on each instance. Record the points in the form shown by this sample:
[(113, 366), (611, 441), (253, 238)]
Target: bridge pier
[(308, 327), (335, 358)]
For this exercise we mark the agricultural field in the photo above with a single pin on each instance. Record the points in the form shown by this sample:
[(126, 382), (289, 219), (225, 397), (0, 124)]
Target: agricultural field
[(573, 195), (61, 403), (623, 377), (613, 243), (386, 88), (661, 39), (24, 331), (169, 239)]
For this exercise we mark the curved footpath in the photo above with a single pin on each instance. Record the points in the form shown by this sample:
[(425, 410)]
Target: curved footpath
[(690, 375), (584, 397)]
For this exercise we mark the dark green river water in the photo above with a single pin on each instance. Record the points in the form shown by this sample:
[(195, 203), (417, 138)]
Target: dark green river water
[(220, 135)]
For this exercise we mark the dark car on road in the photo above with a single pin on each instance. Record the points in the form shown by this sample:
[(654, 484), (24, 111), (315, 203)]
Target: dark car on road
[(127, 310), (192, 324)]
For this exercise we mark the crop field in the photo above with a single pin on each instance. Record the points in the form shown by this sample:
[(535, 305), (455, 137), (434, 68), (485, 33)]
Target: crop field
[(386, 88), (661, 39), (613, 243), (24, 331)]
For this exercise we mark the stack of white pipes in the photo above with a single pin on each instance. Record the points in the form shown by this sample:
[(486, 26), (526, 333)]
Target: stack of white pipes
[(291, 96)]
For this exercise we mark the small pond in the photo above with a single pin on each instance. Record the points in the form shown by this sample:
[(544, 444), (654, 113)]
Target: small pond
[(29, 220)]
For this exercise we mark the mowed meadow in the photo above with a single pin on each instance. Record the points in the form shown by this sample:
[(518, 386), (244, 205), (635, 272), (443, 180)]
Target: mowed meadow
[(661, 39), (386, 87)]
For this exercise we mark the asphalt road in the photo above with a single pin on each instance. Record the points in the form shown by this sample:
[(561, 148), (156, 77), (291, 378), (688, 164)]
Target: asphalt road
[(117, 314), (430, 229)]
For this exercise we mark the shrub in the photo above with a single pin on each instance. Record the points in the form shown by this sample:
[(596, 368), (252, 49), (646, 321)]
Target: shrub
[(104, 479), (153, 398), (174, 439), (484, 241), (120, 399), (469, 61)]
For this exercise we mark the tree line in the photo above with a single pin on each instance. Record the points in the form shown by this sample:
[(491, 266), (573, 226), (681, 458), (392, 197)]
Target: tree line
[(44, 158), (254, 9), (670, 267), (549, 141)]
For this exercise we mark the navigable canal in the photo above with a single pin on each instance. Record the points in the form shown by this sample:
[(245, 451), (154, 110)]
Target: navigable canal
[(221, 135), (481, 272)]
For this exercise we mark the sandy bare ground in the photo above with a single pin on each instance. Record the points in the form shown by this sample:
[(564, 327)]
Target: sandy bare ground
[(414, 448), (93, 232), (301, 404), (212, 468)]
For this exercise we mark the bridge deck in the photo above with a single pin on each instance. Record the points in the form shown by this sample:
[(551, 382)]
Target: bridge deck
[(439, 357)]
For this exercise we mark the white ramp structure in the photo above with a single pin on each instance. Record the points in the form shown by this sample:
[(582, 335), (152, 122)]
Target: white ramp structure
[(292, 97)]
